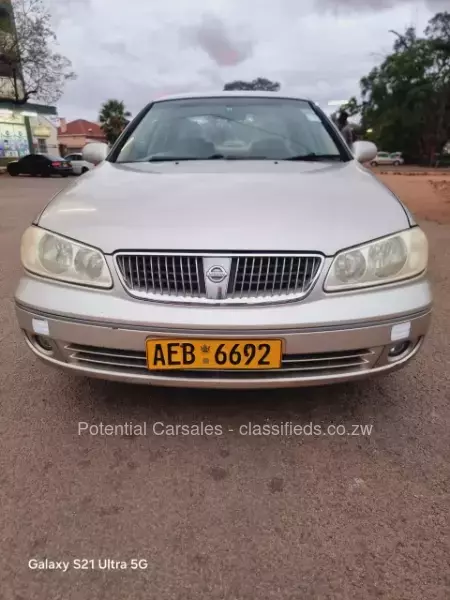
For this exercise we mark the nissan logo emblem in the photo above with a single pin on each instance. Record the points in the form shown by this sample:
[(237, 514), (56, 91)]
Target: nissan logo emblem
[(216, 274)]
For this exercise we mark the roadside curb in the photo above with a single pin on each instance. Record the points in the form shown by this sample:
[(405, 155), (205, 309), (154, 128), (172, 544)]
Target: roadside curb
[(415, 173)]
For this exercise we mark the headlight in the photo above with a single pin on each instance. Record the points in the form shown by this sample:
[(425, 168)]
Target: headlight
[(52, 255), (400, 256)]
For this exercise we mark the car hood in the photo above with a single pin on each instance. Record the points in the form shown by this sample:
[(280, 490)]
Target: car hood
[(226, 205)]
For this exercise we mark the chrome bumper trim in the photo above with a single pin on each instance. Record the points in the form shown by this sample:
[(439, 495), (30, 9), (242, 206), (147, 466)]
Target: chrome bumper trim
[(66, 333), (349, 326), (255, 383)]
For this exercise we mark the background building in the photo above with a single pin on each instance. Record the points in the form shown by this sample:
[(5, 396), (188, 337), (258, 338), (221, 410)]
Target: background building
[(24, 129), (17, 137), (13, 135), (11, 80), (73, 136), (44, 130)]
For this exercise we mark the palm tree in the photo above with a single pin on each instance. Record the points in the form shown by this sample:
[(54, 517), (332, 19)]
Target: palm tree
[(113, 119)]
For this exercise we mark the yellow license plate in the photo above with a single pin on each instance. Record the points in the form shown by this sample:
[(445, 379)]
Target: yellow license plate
[(163, 354)]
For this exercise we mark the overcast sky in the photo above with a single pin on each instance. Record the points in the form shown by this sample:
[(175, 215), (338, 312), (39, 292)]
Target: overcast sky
[(136, 50)]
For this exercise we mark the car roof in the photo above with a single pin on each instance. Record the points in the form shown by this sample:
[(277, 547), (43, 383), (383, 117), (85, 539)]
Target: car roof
[(234, 94)]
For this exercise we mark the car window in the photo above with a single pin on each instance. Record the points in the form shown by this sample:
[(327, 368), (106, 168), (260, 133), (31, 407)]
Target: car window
[(50, 157), (259, 128)]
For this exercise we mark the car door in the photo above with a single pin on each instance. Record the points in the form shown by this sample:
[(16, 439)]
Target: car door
[(80, 163), (41, 165), (24, 165), (75, 162)]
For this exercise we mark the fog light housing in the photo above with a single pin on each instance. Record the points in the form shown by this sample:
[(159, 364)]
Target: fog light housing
[(43, 343), (398, 350)]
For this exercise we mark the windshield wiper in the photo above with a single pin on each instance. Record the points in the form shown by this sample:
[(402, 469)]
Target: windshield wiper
[(231, 157), (180, 158), (312, 157), (172, 158), (212, 157)]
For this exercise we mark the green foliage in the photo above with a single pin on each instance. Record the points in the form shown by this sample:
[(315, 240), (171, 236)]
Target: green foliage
[(351, 107), (406, 99), (113, 119), (6, 21), (259, 84)]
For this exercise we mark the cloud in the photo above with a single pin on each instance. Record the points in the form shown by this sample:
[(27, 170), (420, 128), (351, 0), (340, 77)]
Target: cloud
[(118, 48), (141, 49), (377, 5), (61, 10), (214, 38)]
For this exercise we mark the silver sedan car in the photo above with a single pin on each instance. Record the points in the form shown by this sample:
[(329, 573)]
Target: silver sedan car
[(226, 240), (384, 158)]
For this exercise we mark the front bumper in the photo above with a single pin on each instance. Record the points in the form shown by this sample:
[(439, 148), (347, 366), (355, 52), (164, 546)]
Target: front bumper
[(334, 339)]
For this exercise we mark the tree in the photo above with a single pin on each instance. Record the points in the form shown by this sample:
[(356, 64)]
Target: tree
[(30, 66), (259, 84), (406, 99), (351, 107), (113, 119)]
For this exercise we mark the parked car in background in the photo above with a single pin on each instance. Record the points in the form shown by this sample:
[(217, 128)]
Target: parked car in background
[(397, 158), (386, 158), (441, 160), (185, 261), (43, 165), (79, 165)]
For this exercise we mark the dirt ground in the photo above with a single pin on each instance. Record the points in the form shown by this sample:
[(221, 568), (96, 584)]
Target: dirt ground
[(427, 194), (230, 517)]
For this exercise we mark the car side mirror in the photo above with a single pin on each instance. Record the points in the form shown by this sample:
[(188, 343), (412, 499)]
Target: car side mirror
[(95, 152), (364, 151)]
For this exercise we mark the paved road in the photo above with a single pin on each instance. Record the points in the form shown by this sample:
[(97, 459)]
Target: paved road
[(229, 517)]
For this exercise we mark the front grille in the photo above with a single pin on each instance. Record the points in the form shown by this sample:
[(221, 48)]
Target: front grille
[(304, 365), (258, 278), (166, 275), (272, 275)]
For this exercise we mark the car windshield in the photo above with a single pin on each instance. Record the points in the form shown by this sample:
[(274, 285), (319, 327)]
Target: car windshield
[(230, 128), (51, 157)]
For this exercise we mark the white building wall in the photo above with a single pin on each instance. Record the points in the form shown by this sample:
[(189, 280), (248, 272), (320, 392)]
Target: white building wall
[(45, 135)]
